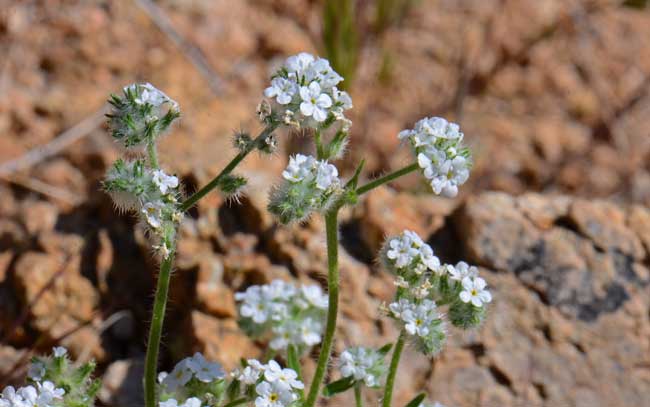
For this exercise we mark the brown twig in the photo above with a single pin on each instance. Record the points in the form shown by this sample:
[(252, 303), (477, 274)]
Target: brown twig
[(44, 188), (38, 154), (191, 51)]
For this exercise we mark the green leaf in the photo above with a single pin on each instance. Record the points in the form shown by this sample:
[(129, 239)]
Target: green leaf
[(294, 363), (233, 389), (338, 386), (238, 402), (416, 401), (385, 349)]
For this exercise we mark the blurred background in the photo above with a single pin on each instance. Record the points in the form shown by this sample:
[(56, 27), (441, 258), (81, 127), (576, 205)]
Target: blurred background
[(553, 97)]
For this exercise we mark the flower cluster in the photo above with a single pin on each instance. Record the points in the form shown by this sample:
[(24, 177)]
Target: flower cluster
[(305, 94), (409, 252), (437, 145), (191, 380), (141, 115), (363, 365), (44, 394), (139, 185), (424, 284), (151, 193), (273, 385), (285, 314), (310, 185), (54, 382)]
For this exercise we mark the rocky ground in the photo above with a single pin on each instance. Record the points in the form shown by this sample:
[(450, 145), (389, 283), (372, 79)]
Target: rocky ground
[(553, 97)]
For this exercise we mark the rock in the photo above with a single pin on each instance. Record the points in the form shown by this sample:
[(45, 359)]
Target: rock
[(9, 360), (5, 260), (38, 216), (122, 383), (220, 340), (212, 295)]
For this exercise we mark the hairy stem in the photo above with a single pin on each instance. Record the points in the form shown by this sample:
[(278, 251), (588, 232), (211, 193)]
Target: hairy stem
[(357, 395), (386, 178), (153, 154), (331, 228), (155, 332), (192, 200), (392, 372)]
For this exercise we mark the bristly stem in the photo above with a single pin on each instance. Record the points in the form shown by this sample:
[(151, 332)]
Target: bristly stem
[(357, 395), (192, 200), (331, 230), (155, 332), (386, 178), (153, 154), (392, 372)]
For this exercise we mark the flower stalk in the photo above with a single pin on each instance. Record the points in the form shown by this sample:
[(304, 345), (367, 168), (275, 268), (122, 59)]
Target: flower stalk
[(392, 371), (386, 179), (155, 332)]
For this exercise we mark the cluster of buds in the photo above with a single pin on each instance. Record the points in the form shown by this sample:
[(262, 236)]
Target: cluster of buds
[(194, 382), (141, 115), (270, 384), (138, 185), (54, 382), (424, 284), (364, 365), (304, 94), (310, 185), (443, 160), (286, 315)]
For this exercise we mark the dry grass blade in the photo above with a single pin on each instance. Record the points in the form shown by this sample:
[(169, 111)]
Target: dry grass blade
[(191, 51)]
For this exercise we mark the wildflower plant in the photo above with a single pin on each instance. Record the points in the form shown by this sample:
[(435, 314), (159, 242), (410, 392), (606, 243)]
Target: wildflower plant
[(53, 381), (304, 93)]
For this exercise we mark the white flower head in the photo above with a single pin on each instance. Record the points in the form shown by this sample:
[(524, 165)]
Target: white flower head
[(284, 377), (474, 291), (282, 90), (149, 94), (462, 270), (273, 395), (203, 369), (153, 213), (178, 377), (409, 253), (164, 182), (314, 102), (363, 364)]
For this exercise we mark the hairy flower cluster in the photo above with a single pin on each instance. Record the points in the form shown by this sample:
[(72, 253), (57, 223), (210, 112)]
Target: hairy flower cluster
[(408, 252), (310, 185), (149, 192), (274, 386), (424, 284), (283, 313), (304, 93), (363, 365), (54, 382), (141, 115), (437, 145), (422, 321), (192, 382)]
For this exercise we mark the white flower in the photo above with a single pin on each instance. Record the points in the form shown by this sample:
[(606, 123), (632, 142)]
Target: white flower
[(362, 364), (300, 167), (282, 90), (285, 378), (321, 71), (409, 250), (314, 295), (310, 331), (398, 308), (418, 319), (168, 403), (326, 175), (49, 392), (273, 395), (192, 402), (252, 372), (59, 351), (298, 64), (254, 306), (36, 370), (402, 251), (451, 174), (474, 291), (178, 377), (151, 95), (314, 103), (153, 213), (462, 270), (164, 182), (203, 369)]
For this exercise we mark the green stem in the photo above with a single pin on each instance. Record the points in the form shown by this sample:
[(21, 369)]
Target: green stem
[(331, 230), (189, 202), (357, 395), (320, 152), (394, 363), (386, 178), (153, 154), (155, 332)]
